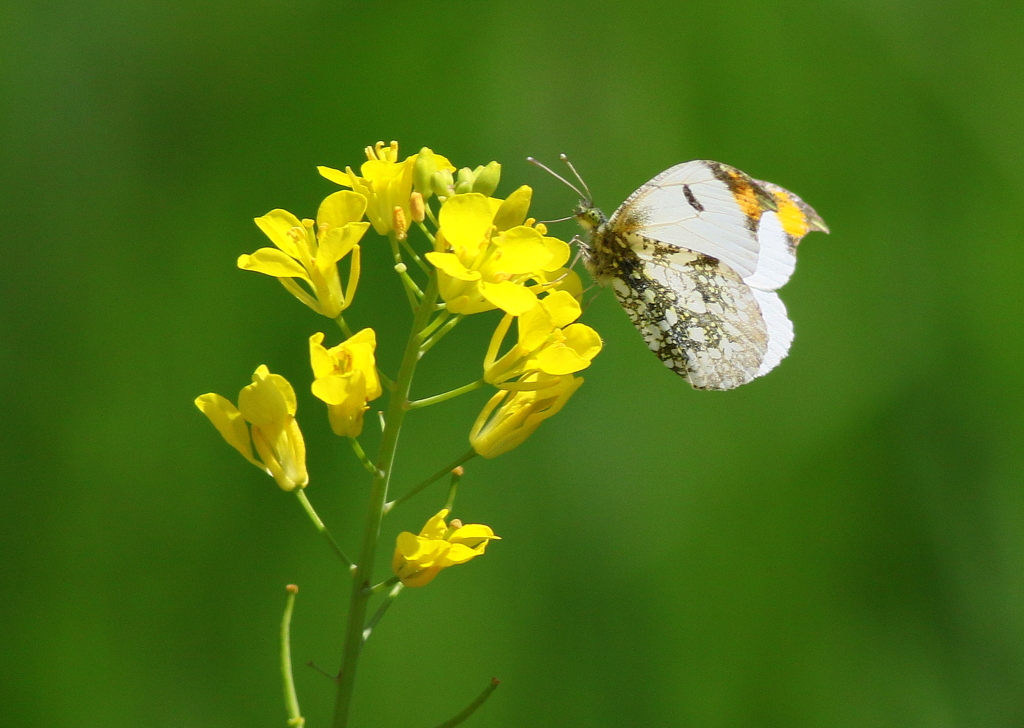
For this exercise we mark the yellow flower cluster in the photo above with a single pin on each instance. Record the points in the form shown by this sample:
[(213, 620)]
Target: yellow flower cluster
[(486, 254), (418, 559)]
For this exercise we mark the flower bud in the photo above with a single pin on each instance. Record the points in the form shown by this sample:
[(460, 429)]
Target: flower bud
[(464, 181), (423, 171), (441, 183), (487, 179)]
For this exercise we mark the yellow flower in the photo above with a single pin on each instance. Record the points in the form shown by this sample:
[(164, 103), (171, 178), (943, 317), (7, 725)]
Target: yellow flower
[(346, 379), (520, 413), (268, 405), (312, 255), (418, 559), (548, 343), (386, 183), (483, 265)]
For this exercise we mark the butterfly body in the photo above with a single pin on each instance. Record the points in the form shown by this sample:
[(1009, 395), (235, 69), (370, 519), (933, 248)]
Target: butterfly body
[(694, 256)]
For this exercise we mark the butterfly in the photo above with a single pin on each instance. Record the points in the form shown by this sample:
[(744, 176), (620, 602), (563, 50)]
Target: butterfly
[(695, 257)]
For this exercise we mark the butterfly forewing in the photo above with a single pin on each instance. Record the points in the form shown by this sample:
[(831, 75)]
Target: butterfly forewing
[(702, 206)]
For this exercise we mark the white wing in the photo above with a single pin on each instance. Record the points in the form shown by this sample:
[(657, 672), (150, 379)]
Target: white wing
[(775, 257), (703, 206)]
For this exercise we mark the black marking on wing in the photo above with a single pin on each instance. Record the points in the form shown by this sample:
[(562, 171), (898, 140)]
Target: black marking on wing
[(691, 199)]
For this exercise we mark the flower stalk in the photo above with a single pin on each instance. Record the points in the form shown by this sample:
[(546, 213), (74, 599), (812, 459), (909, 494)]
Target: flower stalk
[(359, 598), (291, 698)]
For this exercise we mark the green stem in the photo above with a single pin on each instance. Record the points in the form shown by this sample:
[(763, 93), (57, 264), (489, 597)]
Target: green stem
[(432, 479), (438, 320), (397, 254), (427, 401), (361, 454), (471, 708), (426, 231), (386, 584), (429, 344), (308, 507), (397, 407), (403, 272), (343, 325), (385, 605), (291, 698), (415, 256), (453, 488)]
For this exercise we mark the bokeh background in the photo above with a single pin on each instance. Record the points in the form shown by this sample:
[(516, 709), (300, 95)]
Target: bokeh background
[(837, 544)]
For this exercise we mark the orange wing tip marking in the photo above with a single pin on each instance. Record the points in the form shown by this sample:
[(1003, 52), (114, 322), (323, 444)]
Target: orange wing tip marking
[(796, 216), (751, 198)]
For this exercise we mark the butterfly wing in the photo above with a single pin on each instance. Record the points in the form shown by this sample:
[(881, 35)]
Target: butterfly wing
[(704, 206), (699, 318), (711, 246)]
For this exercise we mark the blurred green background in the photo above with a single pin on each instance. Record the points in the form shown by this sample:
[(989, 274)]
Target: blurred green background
[(837, 544)]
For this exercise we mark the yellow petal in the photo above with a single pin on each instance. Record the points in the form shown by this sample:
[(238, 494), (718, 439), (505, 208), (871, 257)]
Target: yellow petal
[(450, 264), (335, 175), (276, 225), (559, 251), (535, 326), (272, 263), (458, 554), (466, 220), (562, 307), (583, 339), (472, 534), (509, 297), (520, 250), (269, 402), (560, 360), (435, 528), (513, 210), (229, 422), (338, 242), (340, 209), (320, 360), (335, 389)]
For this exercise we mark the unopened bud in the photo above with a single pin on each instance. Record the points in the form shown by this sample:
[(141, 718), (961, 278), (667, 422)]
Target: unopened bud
[(423, 172), (398, 223), (464, 181), (401, 267), (487, 179), (441, 183), (417, 208)]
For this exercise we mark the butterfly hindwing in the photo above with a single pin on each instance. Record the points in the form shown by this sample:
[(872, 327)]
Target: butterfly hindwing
[(697, 316)]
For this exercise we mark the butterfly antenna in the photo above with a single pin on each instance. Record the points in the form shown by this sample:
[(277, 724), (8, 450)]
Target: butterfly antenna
[(564, 158), (561, 219), (557, 176)]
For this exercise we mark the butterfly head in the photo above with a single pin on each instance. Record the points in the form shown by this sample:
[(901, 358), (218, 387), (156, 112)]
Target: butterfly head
[(588, 216)]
